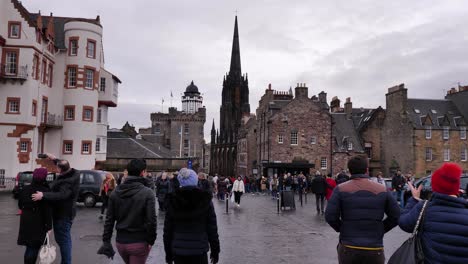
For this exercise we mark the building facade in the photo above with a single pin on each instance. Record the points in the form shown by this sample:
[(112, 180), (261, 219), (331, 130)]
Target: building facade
[(234, 105), (180, 131), (419, 135), (247, 147), (54, 89)]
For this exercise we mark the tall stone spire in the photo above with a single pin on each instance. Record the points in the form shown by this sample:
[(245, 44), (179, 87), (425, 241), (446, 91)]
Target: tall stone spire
[(235, 55)]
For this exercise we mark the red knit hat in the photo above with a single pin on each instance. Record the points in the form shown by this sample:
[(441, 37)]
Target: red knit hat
[(446, 179), (40, 175)]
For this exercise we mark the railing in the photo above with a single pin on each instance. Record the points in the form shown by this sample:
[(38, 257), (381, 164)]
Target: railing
[(13, 71), (52, 120)]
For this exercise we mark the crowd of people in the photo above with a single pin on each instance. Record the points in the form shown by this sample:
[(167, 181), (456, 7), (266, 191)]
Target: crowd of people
[(361, 208)]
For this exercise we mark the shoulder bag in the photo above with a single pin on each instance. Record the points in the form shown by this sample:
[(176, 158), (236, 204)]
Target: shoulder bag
[(47, 252), (410, 252)]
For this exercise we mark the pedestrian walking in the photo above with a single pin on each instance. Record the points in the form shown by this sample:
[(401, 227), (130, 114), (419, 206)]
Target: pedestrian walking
[(379, 179), (203, 183), (263, 185), (319, 188), (107, 186), (173, 183), (274, 187), (356, 211), (122, 177), (190, 227), (36, 217), (331, 184), (222, 188), (62, 198), (238, 189), (132, 211), (342, 177), (162, 188), (398, 184), (444, 229)]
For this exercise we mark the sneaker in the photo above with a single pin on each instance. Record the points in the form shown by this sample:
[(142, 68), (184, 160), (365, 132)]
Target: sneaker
[(238, 205)]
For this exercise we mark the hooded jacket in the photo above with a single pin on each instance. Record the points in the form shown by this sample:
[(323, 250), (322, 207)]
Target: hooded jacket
[(132, 208), (190, 226), (63, 195)]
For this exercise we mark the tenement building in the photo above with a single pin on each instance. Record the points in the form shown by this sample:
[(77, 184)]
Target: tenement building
[(234, 105), (294, 132), (420, 134), (180, 131), (247, 147), (54, 90)]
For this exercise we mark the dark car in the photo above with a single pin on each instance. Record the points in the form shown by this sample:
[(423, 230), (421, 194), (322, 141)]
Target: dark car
[(25, 178), (426, 191), (90, 186)]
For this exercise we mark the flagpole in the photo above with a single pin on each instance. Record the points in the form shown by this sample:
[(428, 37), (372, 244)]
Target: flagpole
[(171, 99), (162, 106)]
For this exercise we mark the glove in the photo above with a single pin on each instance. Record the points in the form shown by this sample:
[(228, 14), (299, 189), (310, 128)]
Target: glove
[(107, 250), (214, 256)]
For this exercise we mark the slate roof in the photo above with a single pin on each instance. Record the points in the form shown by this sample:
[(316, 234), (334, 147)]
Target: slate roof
[(120, 145), (460, 99), (440, 112), (344, 131)]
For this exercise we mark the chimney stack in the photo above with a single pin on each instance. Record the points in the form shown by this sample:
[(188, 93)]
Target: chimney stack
[(302, 91), (348, 107), (335, 104)]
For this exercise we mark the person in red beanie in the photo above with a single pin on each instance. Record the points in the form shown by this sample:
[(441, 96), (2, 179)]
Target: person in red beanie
[(36, 218), (444, 228)]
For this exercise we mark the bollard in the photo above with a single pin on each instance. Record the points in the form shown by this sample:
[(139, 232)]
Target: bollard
[(300, 197), (277, 203), (305, 197), (227, 203)]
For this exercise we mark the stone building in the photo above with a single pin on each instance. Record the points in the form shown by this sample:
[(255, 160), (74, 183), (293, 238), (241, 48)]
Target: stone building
[(247, 147), (234, 105), (420, 134), (293, 132), (180, 131)]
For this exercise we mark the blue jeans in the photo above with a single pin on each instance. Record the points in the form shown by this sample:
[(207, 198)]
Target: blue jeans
[(400, 196), (30, 255), (62, 232)]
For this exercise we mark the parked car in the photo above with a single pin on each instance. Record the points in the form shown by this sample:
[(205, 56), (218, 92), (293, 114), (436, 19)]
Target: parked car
[(426, 191), (25, 178), (90, 186)]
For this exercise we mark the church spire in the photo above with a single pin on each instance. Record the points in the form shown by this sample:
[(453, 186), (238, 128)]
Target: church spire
[(235, 55)]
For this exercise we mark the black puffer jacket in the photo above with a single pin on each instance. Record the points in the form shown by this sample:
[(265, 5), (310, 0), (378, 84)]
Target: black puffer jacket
[(190, 226), (319, 185), (63, 195), (132, 206)]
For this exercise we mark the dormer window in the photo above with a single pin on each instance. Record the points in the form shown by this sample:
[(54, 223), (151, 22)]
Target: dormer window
[(433, 111), (417, 111), (350, 145), (14, 29)]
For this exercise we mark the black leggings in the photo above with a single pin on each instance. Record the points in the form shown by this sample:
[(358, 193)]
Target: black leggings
[(320, 197), (105, 202), (200, 259), (237, 196)]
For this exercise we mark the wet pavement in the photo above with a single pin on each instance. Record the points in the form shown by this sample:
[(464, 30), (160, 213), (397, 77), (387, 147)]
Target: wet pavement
[(253, 233)]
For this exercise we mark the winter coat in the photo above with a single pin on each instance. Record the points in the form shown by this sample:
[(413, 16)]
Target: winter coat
[(356, 210), (190, 226), (204, 185), (444, 234), (331, 184), (36, 217), (341, 178), (173, 185), (238, 186), (132, 207), (398, 182), (319, 185), (63, 195), (162, 188), (222, 186)]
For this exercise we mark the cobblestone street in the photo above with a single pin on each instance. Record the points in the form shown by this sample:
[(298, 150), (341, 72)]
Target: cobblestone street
[(253, 233)]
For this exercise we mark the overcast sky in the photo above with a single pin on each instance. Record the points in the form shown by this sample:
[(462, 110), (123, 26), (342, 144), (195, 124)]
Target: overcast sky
[(346, 48)]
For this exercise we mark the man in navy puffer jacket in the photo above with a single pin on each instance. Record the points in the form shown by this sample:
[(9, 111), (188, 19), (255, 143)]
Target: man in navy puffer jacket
[(444, 233), (356, 210)]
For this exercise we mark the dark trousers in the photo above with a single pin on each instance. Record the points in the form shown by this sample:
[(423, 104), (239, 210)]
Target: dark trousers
[(30, 255), (62, 233), (200, 259), (237, 196), (358, 256), (134, 253), (320, 197), (105, 202)]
